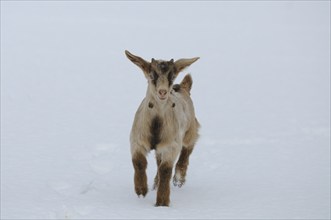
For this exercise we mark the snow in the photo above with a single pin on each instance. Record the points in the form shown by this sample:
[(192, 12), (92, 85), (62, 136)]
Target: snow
[(261, 92)]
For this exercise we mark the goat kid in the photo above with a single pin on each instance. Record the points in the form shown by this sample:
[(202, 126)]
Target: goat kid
[(165, 122)]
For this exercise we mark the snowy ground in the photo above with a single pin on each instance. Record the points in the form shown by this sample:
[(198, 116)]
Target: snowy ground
[(261, 92)]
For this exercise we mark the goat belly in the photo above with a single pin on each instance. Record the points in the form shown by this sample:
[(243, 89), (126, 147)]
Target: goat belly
[(155, 132)]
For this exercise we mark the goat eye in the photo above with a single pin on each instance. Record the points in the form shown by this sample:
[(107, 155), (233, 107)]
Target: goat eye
[(154, 75), (171, 78)]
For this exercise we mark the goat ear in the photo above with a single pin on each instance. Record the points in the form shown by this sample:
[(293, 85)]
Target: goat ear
[(140, 62), (181, 64)]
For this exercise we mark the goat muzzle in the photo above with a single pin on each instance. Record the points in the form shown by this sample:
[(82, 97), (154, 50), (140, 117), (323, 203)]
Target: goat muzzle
[(162, 93)]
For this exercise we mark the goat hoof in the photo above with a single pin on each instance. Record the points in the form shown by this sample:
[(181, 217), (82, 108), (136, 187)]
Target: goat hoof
[(178, 182), (161, 204), (141, 191)]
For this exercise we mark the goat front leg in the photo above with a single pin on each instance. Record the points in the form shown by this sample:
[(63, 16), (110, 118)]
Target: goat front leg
[(163, 190), (156, 179), (167, 156), (140, 178)]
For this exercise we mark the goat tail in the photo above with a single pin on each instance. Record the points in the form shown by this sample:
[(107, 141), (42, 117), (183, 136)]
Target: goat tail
[(186, 83)]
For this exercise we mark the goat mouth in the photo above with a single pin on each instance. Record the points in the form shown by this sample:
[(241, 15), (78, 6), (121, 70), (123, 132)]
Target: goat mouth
[(162, 98)]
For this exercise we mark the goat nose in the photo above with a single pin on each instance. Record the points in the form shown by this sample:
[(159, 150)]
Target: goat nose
[(162, 92)]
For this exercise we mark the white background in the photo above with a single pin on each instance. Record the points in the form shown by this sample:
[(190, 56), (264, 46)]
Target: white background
[(261, 92)]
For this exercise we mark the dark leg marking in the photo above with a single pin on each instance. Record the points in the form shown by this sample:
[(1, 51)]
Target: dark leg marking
[(140, 178), (163, 191)]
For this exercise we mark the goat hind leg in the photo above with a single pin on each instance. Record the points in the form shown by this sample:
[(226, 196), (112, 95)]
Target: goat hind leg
[(181, 166)]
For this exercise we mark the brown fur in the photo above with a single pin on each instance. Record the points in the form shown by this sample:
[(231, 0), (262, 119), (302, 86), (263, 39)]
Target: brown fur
[(186, 83), (165, 121), (155, 128), (163, 192), (191, 135), (140, 178)]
